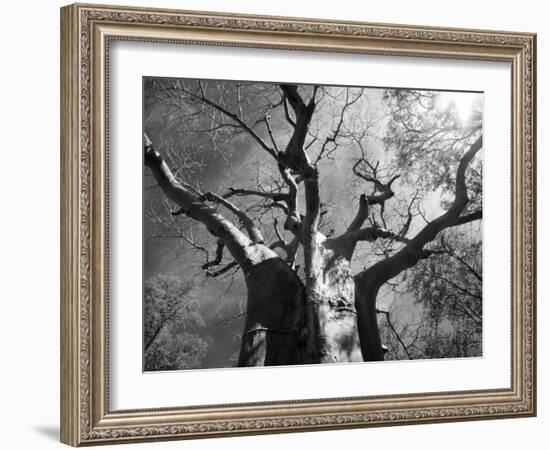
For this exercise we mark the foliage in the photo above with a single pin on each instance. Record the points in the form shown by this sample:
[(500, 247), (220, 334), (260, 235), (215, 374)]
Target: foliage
[(447, 291), (428, 137), (171, 318)]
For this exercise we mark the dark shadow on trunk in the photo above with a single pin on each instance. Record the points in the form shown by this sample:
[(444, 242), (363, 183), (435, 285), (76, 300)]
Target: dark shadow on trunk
[(274, 320)]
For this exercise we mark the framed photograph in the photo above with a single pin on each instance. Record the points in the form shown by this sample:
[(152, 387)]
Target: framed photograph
[(275, 224)]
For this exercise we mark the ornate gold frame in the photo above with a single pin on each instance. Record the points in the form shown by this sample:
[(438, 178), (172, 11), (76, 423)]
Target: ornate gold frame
[(86, 31)]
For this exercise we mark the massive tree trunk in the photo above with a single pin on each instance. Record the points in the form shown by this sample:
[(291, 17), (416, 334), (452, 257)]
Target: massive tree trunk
[(332, 318), (274, 323), (289, 323)]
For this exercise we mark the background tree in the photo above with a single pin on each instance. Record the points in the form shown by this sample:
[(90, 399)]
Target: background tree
[(318, 198), (170, 318), (445, 319)]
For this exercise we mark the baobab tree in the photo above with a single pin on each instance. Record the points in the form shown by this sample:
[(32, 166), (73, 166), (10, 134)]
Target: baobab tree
[(313, 260)]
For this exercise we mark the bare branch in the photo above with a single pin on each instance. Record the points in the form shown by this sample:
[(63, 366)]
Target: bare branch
[(467, 218), (374, 233), (332, 137), (287, 112), (219, 255), (275, 196), (270, 131), (277, 232), (222, 270), (384, 189), (414, 250), (235, 241), (233, 117), (392, 327), (362, 214)]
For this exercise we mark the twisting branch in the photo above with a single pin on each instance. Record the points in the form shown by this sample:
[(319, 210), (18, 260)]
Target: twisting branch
[(414, 250), (296, 159), (235, 241), (452, 216), (222, 270), (287, 112), (371, 234), (291, 248), (384, 189), (293, 221), (219, 255), (467, 218), (277, 232), (362, 214), (369, 281), (292, 251), (275, 196)]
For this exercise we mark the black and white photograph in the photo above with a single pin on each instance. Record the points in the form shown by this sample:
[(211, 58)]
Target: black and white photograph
[(288, 224)]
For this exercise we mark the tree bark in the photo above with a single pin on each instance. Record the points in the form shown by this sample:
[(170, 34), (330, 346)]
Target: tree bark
[(274, 323), (331, 315)]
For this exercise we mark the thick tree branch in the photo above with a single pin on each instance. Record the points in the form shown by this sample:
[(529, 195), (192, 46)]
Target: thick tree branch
[(467, 218), (362, 214), (296, 159), (287, 112), (222, 270), (235, 241), (218, 259), (253, 231), (371, 234), (369, 281), (278, 232), (294, 219), (414, 250), (452, 216), (275, 196), (384, 189), (291, 248)]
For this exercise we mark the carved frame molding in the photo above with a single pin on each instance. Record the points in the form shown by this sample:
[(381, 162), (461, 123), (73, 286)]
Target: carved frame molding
[(86, 31)]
